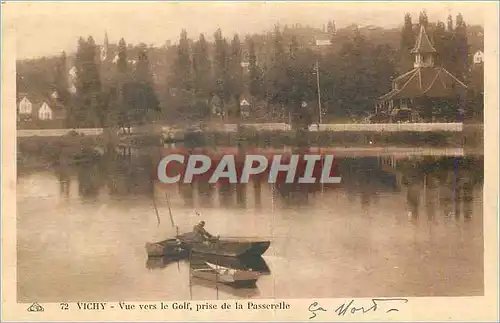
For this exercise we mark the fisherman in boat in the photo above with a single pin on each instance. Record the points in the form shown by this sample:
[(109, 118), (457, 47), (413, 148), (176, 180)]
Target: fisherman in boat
[(201, 235)]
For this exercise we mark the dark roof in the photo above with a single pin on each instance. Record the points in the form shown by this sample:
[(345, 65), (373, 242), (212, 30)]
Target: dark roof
[(434, 82), (423, 44)]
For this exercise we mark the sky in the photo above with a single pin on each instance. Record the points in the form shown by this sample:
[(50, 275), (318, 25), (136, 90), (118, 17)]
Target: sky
[(45, 29)]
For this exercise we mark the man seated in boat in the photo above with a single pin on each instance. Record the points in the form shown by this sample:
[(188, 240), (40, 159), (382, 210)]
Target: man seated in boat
[(202, 235)]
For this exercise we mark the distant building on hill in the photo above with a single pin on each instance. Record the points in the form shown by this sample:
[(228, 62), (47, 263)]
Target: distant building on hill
[(478, 57), (25, 107), (45, 112)]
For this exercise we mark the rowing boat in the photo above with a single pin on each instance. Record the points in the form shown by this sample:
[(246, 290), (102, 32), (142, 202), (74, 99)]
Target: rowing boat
[(184, 244), (249, 263), (221, 274), (227, 248)]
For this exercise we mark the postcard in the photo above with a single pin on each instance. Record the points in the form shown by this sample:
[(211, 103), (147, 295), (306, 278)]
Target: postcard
[(249, 161)]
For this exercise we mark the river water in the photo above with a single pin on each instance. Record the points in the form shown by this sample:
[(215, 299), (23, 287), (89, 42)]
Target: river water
[(394, 226)]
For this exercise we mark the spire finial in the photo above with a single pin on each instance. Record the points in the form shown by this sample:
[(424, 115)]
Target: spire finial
[(423, 44), (106, 41), (424, 50)]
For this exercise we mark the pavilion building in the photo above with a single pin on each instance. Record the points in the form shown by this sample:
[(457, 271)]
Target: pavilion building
[(426, 91)]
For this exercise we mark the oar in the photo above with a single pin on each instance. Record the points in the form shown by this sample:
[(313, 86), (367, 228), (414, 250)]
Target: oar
[(156, 209), (177, 235), (170, 211)]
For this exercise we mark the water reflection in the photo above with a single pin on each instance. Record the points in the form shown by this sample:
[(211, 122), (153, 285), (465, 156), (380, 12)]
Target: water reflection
[(424, 181), (235, 276), (393, 213)]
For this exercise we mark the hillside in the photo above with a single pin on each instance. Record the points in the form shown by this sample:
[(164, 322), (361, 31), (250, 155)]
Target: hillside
[(37, 76)]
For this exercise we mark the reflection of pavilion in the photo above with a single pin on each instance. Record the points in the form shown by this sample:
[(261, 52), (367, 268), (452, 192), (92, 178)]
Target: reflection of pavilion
[(424, 183), (388, 164)]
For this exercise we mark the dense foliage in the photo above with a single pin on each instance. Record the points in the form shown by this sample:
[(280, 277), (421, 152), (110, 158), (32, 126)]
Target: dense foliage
[(276, 72)]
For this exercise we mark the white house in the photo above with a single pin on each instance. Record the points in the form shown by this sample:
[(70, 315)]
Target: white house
[(25, 106), (104, 53), (322, 40), (72, 80), (45, 112), (478, 57), (72, 72), (245, 108)]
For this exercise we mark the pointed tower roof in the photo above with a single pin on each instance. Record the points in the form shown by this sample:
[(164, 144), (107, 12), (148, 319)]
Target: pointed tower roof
[(435, 82), (106, 40), (423, 44)]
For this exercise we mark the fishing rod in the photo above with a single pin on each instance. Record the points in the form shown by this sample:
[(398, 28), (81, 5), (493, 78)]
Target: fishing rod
[(170, 212), (156, 209)]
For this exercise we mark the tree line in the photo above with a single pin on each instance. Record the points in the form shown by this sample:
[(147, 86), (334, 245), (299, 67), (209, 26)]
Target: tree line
[(277, 72)]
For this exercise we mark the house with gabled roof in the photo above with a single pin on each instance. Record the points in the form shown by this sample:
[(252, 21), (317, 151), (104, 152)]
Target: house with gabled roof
[(25, 107), (419, 89), (478, 57), (45, 112), (244, 108)]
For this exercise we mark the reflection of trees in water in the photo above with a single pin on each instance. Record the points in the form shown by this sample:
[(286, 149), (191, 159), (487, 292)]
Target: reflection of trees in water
[(468, 191), (186, 190), (292, 194), (205, 192), (452, 179), (226, 191), (430, 195), (365, 178), (257, 187), (241, 190), (129, 174), (63, 173), (413, 199), (90, 180), (123, 175), (428, 182)]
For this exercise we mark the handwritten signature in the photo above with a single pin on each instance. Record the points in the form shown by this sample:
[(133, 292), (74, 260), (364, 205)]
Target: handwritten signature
[(351, 308)]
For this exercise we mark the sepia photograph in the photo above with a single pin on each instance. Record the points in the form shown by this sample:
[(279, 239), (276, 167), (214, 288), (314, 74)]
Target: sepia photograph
[(189, 152)]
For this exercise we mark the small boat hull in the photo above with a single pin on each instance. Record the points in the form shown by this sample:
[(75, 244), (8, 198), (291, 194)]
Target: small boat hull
[(237, 290), (171, 248), (224, 275), (227, 248), (249, 263)]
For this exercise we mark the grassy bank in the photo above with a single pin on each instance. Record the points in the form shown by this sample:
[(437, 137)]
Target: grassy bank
[(57, 150), (74, 148), (326, 138)]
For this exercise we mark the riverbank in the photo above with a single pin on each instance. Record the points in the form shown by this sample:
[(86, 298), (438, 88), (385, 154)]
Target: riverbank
[(471, 137), (68, 149), (330, 138)]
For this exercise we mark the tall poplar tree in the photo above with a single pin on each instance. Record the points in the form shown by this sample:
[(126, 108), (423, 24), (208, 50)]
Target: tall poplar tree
[(407, 43), (255, 73), (221, 74), (183, 75), (141, 97), (236, 74), (89, 110), (462, 48), (202, 68)]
